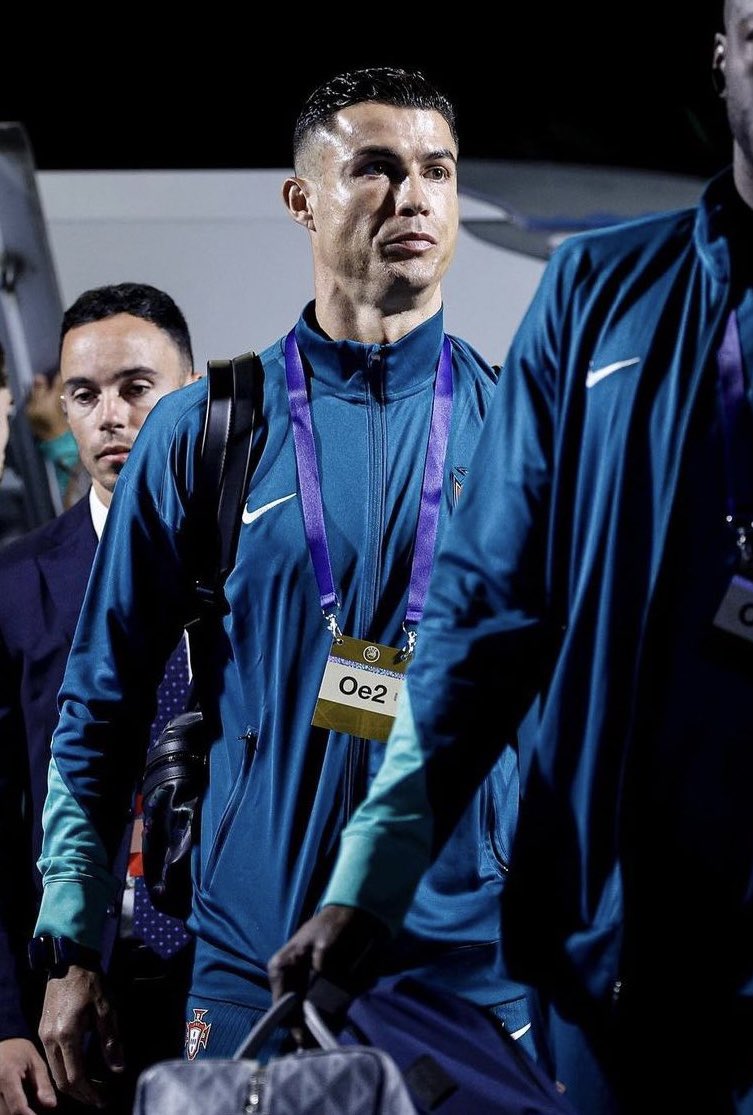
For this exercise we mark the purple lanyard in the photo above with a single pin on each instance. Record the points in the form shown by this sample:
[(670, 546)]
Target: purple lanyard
[(737, 440), (735, 413), (311, 496)]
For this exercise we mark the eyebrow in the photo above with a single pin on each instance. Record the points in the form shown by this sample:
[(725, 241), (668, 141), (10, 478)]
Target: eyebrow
[(391, 153), (126, 373)]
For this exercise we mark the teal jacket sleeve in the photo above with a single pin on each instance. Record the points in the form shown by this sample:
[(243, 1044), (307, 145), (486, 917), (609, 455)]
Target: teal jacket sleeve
[(391, 831)]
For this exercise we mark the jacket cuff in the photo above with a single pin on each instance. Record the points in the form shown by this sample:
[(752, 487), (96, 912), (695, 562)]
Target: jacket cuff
[(75, 909)]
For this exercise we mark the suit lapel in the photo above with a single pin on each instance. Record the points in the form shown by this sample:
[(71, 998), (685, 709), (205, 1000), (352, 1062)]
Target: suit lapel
[(66, 563)]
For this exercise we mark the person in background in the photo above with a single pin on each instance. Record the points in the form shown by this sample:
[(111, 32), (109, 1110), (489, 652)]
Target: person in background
[(6, 409), (122, 347), (369, 413), (595, 591), (54, 437)]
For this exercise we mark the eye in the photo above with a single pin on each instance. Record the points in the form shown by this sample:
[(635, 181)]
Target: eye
[(83, 397), (135, 391), (376, 167), (438, 173)]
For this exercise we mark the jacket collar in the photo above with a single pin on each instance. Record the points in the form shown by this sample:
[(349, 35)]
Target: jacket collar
[(352, 366), (717, 221)]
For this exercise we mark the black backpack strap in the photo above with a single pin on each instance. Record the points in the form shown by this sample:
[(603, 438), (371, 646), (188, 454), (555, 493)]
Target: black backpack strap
[(225, 470), (237, 459)]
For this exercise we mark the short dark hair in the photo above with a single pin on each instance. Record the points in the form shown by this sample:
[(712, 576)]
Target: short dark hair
[(138, 299), (386, 85)]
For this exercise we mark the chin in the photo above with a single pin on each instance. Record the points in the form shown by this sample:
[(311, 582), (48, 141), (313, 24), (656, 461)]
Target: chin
[(108, 480)]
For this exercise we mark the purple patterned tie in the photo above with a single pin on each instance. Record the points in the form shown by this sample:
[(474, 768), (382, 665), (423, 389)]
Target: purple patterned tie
[(163, 934)]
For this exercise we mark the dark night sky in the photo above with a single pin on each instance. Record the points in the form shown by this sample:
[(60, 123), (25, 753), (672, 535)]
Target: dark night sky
[(597, 83)]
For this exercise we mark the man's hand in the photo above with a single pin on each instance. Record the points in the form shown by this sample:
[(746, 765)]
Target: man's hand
[(24, 1077), (338, 942), (75, 1005)]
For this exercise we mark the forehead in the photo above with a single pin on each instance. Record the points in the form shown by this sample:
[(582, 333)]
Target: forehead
[(735, 10), (414, 131), (102, 349)]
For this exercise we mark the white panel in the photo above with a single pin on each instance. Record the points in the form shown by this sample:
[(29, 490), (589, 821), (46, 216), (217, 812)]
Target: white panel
[(221, 243)]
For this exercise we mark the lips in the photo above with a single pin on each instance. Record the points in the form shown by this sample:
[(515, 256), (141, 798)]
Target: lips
[(408, 238), (114, 451)]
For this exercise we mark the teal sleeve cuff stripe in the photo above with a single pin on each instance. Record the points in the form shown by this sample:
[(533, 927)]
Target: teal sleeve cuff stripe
[(78, 885), (385, 848)]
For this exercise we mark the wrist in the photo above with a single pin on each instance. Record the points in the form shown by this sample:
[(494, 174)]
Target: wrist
[(55, 955)]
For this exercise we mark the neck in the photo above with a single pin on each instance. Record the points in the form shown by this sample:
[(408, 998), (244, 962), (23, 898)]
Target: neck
[(343, 318), (104, 495), (743, 175)]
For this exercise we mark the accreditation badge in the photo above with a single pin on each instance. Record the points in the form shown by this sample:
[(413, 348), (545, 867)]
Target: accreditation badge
[(360, 688), (735, 613)]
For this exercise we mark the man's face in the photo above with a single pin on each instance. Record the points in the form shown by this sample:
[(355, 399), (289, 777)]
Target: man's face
[(384, 203), (113, 372), (737, 50)]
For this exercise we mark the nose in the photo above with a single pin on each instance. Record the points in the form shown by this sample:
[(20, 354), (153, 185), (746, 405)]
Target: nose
[(112, 411), (412, 196)]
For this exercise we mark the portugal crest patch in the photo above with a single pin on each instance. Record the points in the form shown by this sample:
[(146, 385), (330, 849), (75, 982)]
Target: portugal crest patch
[(197, 1033)]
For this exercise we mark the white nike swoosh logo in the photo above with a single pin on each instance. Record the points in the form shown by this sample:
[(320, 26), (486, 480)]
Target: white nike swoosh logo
[(252, 516), (519, 1033), (602, 373)]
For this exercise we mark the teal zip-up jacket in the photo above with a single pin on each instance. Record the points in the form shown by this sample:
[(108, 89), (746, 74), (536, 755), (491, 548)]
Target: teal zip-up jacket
[(279, 789), (547, 612)]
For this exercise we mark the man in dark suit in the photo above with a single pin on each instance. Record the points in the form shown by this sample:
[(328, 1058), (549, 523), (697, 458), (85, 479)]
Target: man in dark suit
[(122, 347)]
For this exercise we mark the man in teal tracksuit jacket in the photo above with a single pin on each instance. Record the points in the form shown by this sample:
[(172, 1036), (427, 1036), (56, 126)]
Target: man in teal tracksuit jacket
[(280, 790), (576, 595)]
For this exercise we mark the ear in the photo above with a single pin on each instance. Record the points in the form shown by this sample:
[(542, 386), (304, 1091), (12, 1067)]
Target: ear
[(295, 194), (718, 65)]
